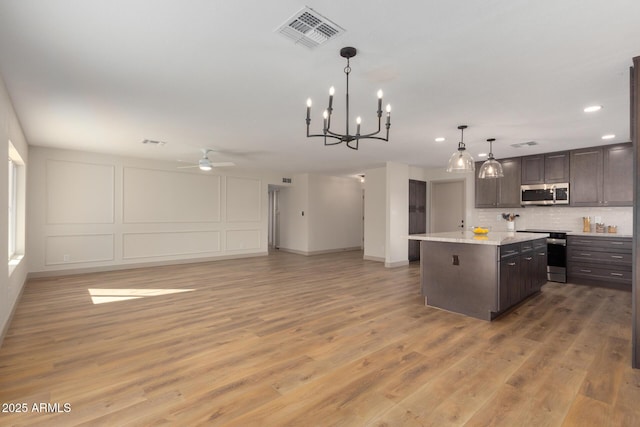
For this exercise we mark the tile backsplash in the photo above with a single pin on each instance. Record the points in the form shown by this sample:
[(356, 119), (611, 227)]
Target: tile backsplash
[(555, 218)]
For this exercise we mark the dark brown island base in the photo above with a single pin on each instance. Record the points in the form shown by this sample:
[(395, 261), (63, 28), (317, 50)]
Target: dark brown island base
[(481, 276)]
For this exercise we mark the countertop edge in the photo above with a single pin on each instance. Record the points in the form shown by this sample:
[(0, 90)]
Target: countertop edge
[(496, 238)]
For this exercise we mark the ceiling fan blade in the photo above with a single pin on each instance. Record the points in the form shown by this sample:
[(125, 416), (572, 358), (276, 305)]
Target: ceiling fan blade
[(188, 167), (222, 164)]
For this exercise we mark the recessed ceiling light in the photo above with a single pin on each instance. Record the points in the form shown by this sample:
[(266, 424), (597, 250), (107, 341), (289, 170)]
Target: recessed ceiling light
[(609, 136), (593, 108), (439, 139), (482, 155)]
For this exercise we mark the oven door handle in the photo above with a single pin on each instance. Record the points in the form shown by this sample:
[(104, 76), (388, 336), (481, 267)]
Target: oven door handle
[(558, 242)]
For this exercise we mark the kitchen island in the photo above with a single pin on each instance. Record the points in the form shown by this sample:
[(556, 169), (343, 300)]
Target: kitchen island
[(481, 276)]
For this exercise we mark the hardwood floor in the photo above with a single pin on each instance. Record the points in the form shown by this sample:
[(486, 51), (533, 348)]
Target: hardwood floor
[(310, 341)]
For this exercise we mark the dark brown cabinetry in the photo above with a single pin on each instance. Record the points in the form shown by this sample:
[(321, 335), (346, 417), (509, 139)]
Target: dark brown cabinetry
[(523, 269), (533, 169), (545, 168), (501, 192), (617, 179), (556, 167), (417, 215), (602, 176), (599, 260), (585, 186)]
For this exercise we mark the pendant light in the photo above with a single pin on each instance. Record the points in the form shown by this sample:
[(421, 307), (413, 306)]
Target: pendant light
[(491, 168), (461, 161)]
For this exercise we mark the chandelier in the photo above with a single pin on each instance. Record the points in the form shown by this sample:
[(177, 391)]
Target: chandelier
[(350, 140)]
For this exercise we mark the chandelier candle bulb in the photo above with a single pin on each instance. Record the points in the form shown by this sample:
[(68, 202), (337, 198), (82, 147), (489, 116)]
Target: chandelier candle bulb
[(332, 90), (379, 102), (308, 110), (388, 115), (358, 121), (325, 115)]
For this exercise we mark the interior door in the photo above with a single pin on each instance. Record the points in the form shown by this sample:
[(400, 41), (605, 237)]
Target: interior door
[(447, 207)]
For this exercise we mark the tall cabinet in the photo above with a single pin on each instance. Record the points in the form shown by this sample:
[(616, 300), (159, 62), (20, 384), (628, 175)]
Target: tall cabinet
[(417, 215)]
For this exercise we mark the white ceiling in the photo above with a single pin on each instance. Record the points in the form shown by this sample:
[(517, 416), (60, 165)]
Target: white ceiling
[(104, 75)]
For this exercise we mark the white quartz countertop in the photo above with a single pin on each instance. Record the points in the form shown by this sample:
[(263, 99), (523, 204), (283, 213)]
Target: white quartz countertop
[(592, 234), (495, 238)]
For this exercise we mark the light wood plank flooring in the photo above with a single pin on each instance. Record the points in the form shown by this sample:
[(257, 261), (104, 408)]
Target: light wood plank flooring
[(287, 340)]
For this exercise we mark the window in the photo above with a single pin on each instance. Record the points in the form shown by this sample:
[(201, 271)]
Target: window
[(13, 210), (16, 204)]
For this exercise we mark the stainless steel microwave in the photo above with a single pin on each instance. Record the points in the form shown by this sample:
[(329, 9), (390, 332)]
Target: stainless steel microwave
[(544, 194)]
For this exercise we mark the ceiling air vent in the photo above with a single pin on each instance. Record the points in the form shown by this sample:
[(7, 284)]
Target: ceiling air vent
[(524, 144), (310, 29), (153, 142)]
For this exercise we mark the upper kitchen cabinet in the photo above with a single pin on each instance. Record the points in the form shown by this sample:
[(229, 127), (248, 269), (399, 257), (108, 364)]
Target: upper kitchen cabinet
[(617, 183), (545, 168), (500, 192), (585, 187), (533, 169), (602, 176), (556, 167)]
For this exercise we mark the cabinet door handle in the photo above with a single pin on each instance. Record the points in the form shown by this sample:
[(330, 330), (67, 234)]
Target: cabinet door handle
[(585, 254), (617, 274), (542, 253), (528, 258), (511, 264), (616, 256), (617, 243), (585, 271)]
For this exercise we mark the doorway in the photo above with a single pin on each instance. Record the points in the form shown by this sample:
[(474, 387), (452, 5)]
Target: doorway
[(447, 207), (274, 219)]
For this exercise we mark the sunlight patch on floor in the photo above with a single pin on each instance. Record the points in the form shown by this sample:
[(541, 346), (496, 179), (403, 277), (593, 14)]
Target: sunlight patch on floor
[(101, 296)]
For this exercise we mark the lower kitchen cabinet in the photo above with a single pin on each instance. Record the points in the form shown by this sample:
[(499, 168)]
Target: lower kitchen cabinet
[(523, 271), (604, 261)]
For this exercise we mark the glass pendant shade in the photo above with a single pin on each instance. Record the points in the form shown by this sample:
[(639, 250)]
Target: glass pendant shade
[(461, 161), (491, 168)]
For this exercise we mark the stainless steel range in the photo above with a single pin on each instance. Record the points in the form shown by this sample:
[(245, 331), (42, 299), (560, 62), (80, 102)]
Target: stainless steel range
[(556, 254)]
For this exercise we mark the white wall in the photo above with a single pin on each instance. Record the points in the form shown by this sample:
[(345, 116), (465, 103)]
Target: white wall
[(335, 213), (332, 217), (397, 221), (92, 211), (11, 279), (375, 216)]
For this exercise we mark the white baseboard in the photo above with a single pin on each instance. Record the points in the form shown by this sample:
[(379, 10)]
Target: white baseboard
[(396, 264), (311, 253), (74, 271)]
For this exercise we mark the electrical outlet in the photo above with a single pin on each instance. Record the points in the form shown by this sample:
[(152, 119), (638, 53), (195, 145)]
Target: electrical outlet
[(65, 257), (598, 219), (498, 217)]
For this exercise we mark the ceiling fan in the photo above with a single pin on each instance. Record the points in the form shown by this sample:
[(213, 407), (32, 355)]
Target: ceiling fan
[(204, 163)]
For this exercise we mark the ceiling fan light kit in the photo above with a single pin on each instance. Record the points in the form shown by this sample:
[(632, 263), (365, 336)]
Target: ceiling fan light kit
[(204, 164), (351, 140), (461, 161)]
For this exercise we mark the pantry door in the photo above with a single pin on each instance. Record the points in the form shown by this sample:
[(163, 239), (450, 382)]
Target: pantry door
[(447, 206)]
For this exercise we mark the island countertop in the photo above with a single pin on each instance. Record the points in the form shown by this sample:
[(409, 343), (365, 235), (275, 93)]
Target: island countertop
[(495, 238)]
